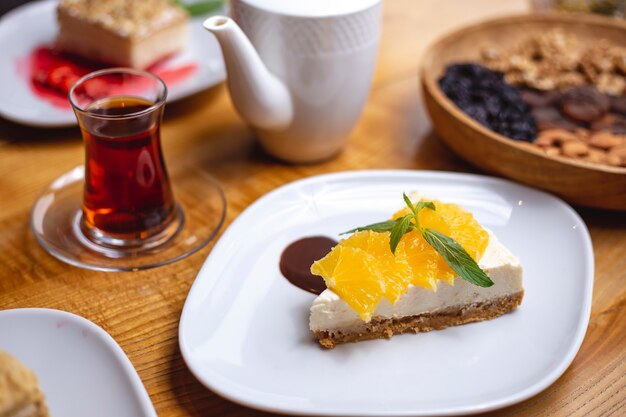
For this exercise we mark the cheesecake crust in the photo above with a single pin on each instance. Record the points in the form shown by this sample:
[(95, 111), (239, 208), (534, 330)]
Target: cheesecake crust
[(379, 328)]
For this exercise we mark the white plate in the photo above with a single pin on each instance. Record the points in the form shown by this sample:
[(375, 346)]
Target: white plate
[(244, 328), (82, 371), (34, 24)]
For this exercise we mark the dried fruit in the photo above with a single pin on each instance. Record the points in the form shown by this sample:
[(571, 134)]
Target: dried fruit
[(593, 140), (540, 99), (584, 104), (484, 95), (576, 92), (618, 105), (551, 118)]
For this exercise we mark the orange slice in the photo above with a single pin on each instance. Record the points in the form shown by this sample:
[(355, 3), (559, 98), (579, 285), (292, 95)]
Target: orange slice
[(353, 274), (361, 269), (394, 269)]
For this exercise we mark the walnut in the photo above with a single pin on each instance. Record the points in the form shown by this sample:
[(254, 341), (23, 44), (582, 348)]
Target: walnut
[(514, 78), (558, 60), (491, 54), (589, 71), (570, 79), (611, 83), (620, 61)]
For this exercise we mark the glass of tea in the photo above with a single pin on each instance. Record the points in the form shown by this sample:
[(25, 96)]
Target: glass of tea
[(128, 216), (128, 201)]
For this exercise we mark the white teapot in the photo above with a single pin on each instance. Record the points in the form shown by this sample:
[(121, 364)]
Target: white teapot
[(299, 71)]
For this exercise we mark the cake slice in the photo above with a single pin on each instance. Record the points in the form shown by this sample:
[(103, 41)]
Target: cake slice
[(121, 32), (421, 309), (418, 291), (20, 395)]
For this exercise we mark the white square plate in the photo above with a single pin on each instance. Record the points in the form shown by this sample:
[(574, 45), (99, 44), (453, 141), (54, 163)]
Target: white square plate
[(244, 328), (81, 369)]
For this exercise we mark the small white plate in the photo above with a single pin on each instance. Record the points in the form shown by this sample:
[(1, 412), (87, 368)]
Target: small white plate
[(34, 24), (244, 328), (81, 369)]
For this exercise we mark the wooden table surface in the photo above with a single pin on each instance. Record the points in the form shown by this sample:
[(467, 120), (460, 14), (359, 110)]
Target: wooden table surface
[(141, 310)]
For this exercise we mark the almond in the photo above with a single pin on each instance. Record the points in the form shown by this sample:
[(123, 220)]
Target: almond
[(550, 137), (574, 149), (582, 133), (605, 140), (614, 160), (552, 150), (596, 155), (619, 151)]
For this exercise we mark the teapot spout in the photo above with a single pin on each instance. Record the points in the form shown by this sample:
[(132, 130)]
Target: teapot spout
[(258, 95)]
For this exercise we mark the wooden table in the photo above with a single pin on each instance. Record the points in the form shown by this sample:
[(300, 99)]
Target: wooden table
[(141, 310)]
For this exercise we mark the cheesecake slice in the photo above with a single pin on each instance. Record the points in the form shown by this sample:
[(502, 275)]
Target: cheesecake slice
[(421, 309), (430, 266), (20, 395), (124, 33)]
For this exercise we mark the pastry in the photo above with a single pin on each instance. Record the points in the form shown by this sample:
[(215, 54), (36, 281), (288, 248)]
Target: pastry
[(20, 395), (121, 32)]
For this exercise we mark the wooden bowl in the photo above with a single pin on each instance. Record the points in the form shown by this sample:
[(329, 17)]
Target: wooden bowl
[(576, 181)]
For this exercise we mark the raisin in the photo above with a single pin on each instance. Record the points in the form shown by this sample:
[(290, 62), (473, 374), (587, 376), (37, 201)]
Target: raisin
[(484, 96), (535, 98)]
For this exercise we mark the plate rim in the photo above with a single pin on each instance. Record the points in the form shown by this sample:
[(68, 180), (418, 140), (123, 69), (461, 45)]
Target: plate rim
[(104, 338), (62, 124), (524, 394)]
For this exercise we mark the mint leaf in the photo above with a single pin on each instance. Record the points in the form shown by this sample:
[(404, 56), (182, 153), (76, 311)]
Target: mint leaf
[(423, 204), (400, 228), (451, 251), (409, 204), (416, 209), (380, 227), (200, 7), (458, 259), (420, 205)]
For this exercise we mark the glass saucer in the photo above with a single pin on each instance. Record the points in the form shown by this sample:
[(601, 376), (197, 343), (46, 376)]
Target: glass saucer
[(56, 216)]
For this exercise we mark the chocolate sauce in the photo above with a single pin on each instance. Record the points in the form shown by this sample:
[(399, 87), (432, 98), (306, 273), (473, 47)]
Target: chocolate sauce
[(296, 260)]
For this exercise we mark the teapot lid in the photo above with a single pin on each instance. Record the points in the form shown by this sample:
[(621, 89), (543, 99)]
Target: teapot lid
[(316, 8)]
